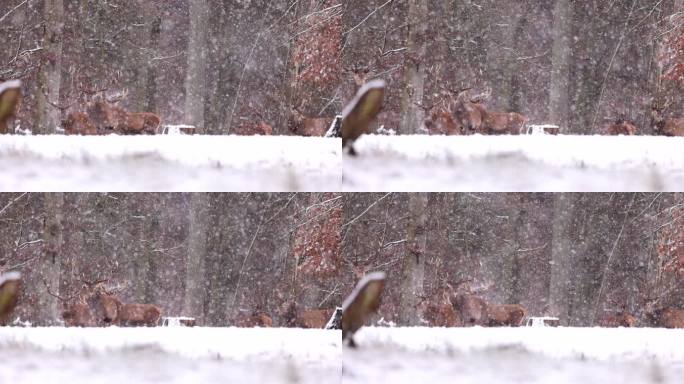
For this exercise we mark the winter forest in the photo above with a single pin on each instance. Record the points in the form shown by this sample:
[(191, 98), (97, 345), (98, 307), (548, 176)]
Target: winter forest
[(274, 67), (341, 191)]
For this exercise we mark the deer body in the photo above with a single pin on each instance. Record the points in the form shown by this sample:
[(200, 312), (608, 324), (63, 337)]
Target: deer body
[(138, 315), (472, 309), (315, 318), (110, 117), (474, 118), (505, 315), (621, 127), (78, 123)]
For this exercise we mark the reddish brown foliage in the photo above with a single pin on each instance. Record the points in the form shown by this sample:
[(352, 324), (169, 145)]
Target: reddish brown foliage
[(671, 244), (317, 240), (621, 127), (673, 53), (317, 47), (138, 315), (78, 123), (314, 318), (505, 315)]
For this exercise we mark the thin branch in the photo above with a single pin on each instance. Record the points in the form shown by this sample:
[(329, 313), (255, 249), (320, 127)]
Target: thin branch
[(352, 221), (12, 202), (12, 10)]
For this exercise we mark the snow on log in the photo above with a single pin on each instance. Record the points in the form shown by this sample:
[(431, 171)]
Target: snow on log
[(335, 129), (335, 321)]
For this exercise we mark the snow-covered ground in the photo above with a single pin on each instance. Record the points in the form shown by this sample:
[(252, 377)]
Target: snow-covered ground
[(169, 355), (515, 163), (169, 163), (515, 355)]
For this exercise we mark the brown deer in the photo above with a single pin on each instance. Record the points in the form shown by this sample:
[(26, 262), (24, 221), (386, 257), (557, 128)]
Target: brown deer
[(314, 318), (250, 129), (667, 317), (109, 117), (78, 314), (472, 115), (78, 123), (620, 319), (302, 125), (510, 315), (137, 315), (621, 127), (443, 123), (666, 126), (471, 309), (253, 319)]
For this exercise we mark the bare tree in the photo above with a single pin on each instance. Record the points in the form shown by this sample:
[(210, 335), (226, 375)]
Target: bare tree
[(50, 76), (412, 115), (413, 267)]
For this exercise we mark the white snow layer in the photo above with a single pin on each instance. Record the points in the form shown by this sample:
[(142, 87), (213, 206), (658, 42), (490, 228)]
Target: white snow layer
[(515, 163), (169, 355), (515, 355), (169, 163)]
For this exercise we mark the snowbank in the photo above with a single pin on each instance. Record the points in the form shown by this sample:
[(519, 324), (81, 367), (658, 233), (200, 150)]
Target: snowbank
[(515, 355), (515, 163), (169, 163), (169, 354)]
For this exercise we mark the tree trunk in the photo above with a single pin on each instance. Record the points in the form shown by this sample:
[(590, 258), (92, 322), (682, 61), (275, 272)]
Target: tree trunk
[(48, 269), (412, 114), (195, 79), (561, 258), (413, 267), (50, 75), (195, 281), (559, 100)]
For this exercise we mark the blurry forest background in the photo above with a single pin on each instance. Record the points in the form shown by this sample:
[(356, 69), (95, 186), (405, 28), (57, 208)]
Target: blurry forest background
[(579, 257), (227, 66), (217, 257)]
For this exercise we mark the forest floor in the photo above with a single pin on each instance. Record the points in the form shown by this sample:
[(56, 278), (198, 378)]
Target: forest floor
[(169, 355), (170, 163), (515, 163), (515, 355)]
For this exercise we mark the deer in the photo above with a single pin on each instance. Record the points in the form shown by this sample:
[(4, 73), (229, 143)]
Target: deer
[(440, 313), (510, 315), (666, 126), (472, 115), (314, 318), (137, 315), (303, 125), (108, 116), (471, 309), (621, 127), (78, 123), (254, 318)]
